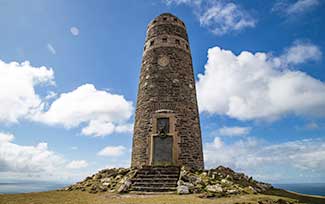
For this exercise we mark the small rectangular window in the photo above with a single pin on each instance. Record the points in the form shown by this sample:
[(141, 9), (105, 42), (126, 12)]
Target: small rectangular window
[(164, 40), (187, 47), (177, 42), (152, 43), (175, 19), (144, 48), (164, 18)]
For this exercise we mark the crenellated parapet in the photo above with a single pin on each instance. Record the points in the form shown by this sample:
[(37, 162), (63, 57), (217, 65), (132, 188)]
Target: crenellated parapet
[(166, 30)]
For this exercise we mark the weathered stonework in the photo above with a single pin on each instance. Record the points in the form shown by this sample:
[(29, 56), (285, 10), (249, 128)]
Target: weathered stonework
[(167, 90), (217, 182)]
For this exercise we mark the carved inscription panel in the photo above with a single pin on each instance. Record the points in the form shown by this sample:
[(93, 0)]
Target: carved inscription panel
[(163, 150)]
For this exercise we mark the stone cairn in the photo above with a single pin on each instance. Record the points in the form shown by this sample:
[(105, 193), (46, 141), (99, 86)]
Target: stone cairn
[(218, 182)]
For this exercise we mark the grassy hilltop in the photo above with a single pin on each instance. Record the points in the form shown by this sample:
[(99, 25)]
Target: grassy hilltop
[(219, 186), (77, 197)]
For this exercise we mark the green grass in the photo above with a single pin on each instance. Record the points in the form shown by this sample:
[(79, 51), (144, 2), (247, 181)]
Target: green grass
[(76, 197)]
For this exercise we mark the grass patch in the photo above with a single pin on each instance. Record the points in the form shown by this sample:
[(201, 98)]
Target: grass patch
[(75, 197)]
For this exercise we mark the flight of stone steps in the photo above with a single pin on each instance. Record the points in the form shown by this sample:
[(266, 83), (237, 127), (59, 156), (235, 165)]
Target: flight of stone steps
[(155, 179)]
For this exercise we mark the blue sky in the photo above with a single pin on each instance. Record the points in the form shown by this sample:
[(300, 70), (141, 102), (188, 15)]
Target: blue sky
[(68, 111)]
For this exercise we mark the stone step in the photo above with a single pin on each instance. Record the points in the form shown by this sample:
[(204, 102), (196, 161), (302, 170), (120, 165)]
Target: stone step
[(160, 176), (152, 189), (160, 167), (154, 184), (155, 179)]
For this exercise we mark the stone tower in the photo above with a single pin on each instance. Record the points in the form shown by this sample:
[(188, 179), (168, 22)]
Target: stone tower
[(167, 126)]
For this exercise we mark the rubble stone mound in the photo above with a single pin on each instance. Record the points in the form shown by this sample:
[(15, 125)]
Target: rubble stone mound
[(107, 180), (218, 182)]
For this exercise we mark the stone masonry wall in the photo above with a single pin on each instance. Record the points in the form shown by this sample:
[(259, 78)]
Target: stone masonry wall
[(167, 82)]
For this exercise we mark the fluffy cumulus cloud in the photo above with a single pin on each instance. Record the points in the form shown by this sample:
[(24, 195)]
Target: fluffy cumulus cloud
[(297, 7), (234, 131), (101, 128), (259, 158), (34, 162), (259, 86), (102, 112), (99, 112), (301, 52), (220, 17), (6, 137), (18, 98), (112, 151), (29, 159)]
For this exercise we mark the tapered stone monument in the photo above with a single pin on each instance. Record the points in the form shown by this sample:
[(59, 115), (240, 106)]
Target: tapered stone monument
[(167, 126)]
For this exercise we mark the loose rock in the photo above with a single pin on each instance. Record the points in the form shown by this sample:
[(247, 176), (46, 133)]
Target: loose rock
[(182, 190), (214, 188)]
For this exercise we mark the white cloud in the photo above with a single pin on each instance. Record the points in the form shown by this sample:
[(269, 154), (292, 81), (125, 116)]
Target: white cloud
[(77, 164), (74, 31), (6, 137), (98, 128), (51, 48), (259, 158), (102, 128), (102, 111), (220, 17), (50, 95), (29, 159), (35, 162), (300, 53), (258, 86), (18, 98), (169, 2), (128, 128), (300, 6), (112, 151), (234, 131)]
